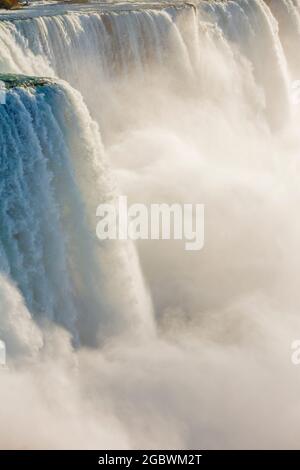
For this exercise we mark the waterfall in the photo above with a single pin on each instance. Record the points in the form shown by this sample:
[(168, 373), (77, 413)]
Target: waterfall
[(95, 50), (52, 180), (48, 243), (287, 13), (143, 344), (97, 42), (88, 47), (242, 22)]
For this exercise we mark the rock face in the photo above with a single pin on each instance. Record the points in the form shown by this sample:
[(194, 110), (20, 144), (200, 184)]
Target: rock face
[(9, 4)]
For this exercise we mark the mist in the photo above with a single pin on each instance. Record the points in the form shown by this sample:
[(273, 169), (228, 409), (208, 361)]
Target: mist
[(163, 348)]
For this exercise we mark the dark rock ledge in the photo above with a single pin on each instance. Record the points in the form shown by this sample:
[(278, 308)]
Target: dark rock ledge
[(11, 80)]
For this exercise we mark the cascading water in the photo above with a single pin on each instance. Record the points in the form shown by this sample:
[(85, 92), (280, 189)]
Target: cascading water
[(287, 13), (193, 105), (104, 42), (242, 21), (101, 48), (52, 181), (91, 47)]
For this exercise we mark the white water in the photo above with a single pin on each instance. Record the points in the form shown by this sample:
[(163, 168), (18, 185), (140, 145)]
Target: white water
[(193, 106), (288, 13), (53, 177)]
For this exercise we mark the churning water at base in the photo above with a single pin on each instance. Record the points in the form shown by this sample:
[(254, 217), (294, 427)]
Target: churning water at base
[(189, 104)]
